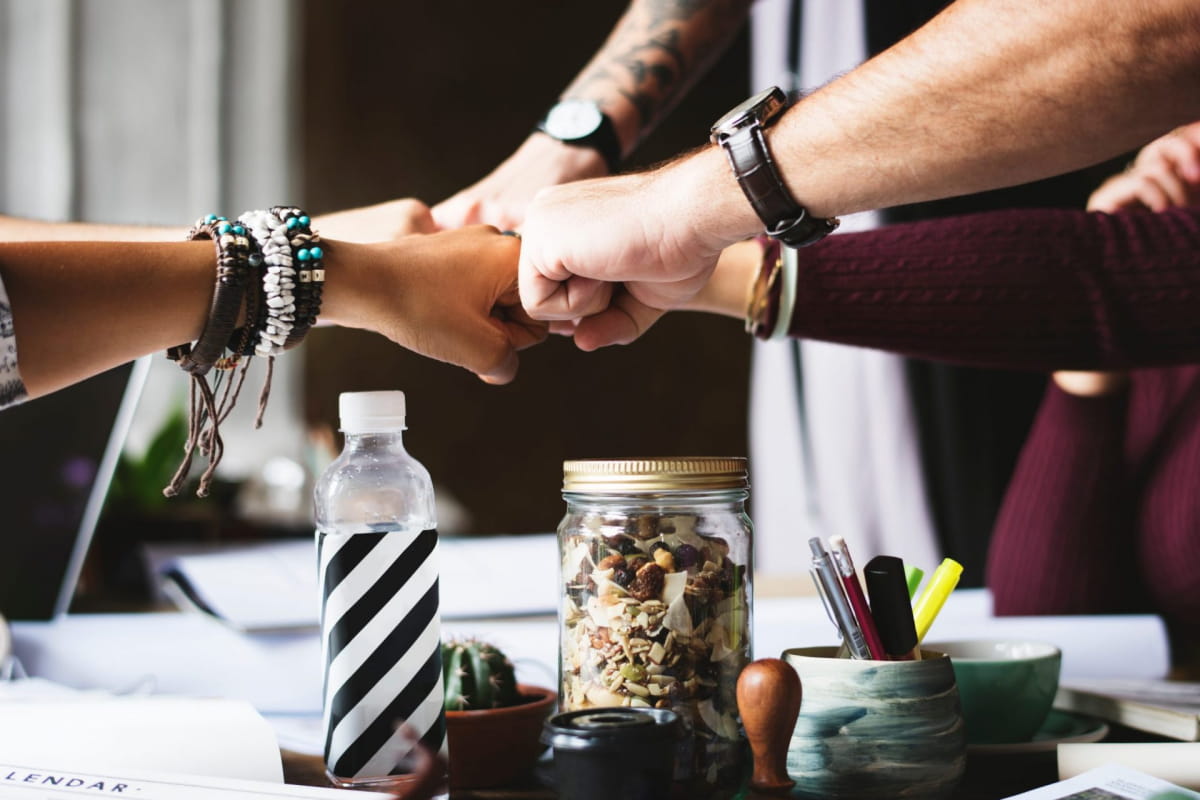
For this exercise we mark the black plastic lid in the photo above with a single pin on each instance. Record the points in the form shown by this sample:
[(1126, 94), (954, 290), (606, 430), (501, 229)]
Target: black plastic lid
[(610, 728)]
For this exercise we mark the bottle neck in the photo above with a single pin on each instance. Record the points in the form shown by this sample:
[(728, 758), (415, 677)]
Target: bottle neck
[(375, 440)]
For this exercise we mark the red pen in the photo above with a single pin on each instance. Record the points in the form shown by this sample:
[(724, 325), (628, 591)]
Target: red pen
[(858, 600)]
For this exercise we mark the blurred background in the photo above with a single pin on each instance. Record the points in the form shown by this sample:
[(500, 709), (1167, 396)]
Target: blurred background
[(157, 111)]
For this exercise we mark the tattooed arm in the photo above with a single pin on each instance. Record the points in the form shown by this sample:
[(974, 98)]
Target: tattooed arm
[(655, 53)]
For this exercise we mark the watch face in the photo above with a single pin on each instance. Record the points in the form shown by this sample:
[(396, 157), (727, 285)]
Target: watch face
[(572, 119), (759, 108)]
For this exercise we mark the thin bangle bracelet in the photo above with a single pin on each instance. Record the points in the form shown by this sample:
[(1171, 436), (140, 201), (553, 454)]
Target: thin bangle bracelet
[(787, 298)]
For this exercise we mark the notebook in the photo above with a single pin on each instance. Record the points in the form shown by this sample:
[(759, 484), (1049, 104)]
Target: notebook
[(59, 453), (1168, 708)]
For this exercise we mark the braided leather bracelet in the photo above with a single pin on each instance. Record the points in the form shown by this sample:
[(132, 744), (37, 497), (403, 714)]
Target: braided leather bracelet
[(235, 257)]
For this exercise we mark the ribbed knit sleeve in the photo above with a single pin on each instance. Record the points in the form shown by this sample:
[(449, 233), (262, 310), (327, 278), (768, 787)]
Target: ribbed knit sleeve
[(1063, 541), (1028, 289)]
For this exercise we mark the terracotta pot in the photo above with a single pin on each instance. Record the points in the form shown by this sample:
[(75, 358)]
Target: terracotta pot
[(493, 746)]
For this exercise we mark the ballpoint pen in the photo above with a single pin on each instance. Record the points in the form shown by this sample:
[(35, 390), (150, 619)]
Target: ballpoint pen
[(940, 585), (854, 592), (825, 574), (890, 607)]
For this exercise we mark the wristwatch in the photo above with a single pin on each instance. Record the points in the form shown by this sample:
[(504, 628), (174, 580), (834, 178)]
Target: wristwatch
[(740, 133), (581, 123)]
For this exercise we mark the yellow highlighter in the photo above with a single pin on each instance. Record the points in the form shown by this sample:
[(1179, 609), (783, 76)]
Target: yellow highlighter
[(930, 602)]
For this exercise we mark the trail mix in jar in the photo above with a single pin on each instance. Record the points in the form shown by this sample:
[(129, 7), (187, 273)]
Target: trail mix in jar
[(655, 614)]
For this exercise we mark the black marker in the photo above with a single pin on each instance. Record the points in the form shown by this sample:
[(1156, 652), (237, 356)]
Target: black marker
[(887, 586)]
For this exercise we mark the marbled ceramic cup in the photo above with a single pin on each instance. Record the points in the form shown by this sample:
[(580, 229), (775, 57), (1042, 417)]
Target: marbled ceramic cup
[(875, 729)]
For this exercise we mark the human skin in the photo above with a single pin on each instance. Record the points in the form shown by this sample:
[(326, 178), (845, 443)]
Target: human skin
[(375, 223), (990, 93), (80, 308), (653, 56)]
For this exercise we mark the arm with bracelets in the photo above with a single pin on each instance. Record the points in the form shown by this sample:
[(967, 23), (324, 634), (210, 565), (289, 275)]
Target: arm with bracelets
[(72, 309)]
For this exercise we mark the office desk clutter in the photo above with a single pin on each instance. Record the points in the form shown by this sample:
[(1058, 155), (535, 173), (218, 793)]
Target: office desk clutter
[(650, 573)]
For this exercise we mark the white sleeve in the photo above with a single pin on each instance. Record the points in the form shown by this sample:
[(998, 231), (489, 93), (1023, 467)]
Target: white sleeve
[(12, 389)]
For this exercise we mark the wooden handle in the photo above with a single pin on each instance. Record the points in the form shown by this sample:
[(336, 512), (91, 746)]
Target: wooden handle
[(768, 697)]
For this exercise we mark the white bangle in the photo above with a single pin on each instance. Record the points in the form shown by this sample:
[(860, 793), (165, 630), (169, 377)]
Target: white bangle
[(787, 294)]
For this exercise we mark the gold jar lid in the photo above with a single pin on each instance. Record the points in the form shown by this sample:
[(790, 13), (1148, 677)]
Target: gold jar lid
[(622, 475)]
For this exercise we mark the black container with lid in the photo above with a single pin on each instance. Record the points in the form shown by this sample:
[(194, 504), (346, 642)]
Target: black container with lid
[(607, 753)]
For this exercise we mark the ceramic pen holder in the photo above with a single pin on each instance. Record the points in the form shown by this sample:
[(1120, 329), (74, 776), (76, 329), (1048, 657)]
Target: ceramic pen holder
[(869, 730)]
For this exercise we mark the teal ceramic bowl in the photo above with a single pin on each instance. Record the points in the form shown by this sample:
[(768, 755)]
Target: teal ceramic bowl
[(869, 730), (1006, 687)]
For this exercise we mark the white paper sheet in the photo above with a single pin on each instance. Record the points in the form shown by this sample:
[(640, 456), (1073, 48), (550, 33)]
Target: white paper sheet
[(28, 782), (1177, 762), (174, 653), (273, 585), (215, 737), (1118, 783)]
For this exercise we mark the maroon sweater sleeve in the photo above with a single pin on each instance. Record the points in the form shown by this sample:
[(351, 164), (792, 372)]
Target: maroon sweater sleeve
[(1063, 541), (1027, 289)]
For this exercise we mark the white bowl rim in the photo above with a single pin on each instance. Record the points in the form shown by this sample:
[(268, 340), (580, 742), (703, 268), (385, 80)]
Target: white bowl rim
[(979, 651)]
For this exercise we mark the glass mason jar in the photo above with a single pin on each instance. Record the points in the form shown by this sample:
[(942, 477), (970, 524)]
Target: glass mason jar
[(655, 564)]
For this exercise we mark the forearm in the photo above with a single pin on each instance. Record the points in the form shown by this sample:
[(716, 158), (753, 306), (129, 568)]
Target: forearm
[(990, 93), (20, 229), (656, 52), (80, 308), (1036, 289)]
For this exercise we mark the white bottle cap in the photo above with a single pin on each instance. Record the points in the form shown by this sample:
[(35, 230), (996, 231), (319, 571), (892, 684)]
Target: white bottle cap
[(366, 412)]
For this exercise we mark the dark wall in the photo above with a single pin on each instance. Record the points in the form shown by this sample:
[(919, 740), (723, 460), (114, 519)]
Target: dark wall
[(421, 99)]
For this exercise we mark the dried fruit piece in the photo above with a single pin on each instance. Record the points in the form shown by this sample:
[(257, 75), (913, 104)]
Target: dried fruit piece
[(648, 582), (686, 556)]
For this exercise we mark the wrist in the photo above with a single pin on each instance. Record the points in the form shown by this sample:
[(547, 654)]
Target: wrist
[(569, 162), (707, 199), (1091, 384), (730, 288), (346, 274)]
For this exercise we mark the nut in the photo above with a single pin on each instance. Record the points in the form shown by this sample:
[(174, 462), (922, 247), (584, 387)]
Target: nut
[(664, 559), (611, 562)]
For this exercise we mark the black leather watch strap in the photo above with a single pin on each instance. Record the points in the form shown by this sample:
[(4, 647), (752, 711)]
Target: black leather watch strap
[(755, 170)]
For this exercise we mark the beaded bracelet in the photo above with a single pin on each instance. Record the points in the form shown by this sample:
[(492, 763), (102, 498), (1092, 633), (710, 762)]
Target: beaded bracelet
[(310, 273), (278, 281)]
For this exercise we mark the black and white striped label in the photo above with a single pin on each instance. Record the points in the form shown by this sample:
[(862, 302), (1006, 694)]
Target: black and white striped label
[(381, 642)]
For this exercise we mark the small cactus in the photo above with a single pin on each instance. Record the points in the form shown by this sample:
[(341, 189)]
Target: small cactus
[(476, 676)]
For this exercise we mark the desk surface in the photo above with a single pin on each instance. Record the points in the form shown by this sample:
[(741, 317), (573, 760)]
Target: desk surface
[(986, 778)]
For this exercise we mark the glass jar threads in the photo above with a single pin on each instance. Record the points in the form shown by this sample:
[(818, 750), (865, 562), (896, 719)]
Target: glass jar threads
[(656, 608)]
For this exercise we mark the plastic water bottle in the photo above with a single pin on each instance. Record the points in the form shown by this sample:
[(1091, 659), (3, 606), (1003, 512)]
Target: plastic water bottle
[(380, 628)]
